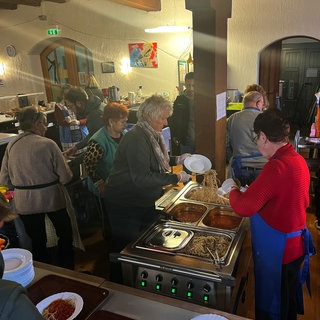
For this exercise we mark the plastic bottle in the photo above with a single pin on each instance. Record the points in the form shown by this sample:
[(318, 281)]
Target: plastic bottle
[(313, 130), (139, 95)]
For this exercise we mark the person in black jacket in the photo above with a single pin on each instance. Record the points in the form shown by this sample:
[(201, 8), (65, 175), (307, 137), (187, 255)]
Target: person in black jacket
[(181, 122), (89, 111)]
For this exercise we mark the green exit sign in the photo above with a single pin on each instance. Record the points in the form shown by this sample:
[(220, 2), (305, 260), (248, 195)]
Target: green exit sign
[(53, 31)]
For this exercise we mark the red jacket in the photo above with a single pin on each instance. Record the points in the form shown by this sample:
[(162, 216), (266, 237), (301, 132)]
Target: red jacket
[(281, 195)]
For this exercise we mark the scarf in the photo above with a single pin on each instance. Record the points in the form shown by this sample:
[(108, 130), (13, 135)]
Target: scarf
[(158, 145)]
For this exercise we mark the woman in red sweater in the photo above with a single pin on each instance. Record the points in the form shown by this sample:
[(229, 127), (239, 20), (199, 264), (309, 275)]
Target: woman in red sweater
[(276, 203)]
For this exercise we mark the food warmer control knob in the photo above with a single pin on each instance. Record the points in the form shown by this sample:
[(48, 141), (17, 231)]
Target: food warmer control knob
[(144, 274), (174, 281), (159, 277), (190, 285), (206, 288)]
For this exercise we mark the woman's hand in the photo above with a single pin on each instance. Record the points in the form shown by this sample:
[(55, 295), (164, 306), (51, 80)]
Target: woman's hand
[(180, 159), (184, 177), (228, 185)]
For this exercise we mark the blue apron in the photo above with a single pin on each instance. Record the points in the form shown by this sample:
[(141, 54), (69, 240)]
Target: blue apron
[(268, 245), (236, 163)]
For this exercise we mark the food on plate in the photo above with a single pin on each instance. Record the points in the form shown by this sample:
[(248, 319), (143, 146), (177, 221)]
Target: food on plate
[(59, 309), (200, 242), (208, 192)]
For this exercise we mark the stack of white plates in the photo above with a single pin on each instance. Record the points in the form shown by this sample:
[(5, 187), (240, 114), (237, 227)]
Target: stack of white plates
[(18, 265)]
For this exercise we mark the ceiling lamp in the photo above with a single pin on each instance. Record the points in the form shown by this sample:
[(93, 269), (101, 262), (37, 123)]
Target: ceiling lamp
[(163, 29)]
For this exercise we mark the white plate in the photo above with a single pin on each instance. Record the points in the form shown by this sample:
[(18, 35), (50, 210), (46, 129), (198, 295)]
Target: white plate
[(63, 295), (15, 259), (197, 163), (209, 317)]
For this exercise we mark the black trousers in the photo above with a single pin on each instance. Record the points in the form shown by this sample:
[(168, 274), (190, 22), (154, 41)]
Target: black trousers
[(289, 287), (35, 227), (127, 223)]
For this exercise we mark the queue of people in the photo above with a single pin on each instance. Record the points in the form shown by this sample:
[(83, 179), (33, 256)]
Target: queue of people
[(129, 170)]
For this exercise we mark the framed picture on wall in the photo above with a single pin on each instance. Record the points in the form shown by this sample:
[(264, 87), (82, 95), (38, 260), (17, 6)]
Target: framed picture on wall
[(107, 67), (143, 55), (182, 71)]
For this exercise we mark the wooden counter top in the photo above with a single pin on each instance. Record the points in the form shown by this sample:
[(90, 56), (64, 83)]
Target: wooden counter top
[(130, 302)]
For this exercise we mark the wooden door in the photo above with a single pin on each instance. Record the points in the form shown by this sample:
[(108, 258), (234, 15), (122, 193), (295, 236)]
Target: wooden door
[(65, 62), (269, 73)]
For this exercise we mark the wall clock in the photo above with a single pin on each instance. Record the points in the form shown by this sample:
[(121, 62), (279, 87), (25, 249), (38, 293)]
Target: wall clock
[(11, 50)]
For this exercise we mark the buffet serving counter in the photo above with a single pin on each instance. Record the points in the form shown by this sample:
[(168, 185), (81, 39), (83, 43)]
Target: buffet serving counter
[(113, 301)]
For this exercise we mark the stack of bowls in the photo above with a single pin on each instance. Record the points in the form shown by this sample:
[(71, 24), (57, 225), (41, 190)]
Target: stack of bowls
[(18, 265)]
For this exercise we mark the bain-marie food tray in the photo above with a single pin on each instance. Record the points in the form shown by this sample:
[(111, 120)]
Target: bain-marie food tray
[(186, 194), (190, 241), (204, 215)]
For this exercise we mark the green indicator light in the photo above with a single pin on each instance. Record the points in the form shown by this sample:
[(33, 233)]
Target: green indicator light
[(205, 298), (143, 283), (173, 290), (189, 294), (53, 32), (158, 287)]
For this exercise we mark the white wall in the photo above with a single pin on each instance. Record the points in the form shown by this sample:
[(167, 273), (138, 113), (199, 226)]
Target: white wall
[(106, 29), (256, 24)]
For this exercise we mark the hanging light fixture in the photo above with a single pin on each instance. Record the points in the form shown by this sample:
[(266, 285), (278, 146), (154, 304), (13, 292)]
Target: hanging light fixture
[(167, 29)]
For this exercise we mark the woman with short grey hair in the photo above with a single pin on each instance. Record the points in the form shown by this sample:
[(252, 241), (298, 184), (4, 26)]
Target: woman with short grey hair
[(140, 171)]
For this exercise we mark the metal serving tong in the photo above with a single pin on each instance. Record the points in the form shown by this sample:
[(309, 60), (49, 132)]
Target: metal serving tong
[(215, 257)]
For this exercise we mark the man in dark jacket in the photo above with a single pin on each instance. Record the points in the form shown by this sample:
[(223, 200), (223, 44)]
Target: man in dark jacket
[(89, 111), (181, 122)]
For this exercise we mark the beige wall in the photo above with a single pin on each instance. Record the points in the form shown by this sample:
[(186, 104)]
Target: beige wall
[(106, 29), (256, 24)]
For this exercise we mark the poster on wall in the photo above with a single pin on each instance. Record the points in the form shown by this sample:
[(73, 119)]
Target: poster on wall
[(143, 55)]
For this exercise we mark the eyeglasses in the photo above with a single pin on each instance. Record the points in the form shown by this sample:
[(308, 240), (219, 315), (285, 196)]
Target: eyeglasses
[(255, 139)]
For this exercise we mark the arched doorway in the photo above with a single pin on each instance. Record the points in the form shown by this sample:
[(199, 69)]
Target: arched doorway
[(65, 61), (290, 72)]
